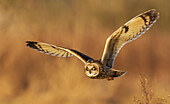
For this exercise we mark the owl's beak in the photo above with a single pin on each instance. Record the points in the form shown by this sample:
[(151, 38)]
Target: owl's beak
[(90, 71)]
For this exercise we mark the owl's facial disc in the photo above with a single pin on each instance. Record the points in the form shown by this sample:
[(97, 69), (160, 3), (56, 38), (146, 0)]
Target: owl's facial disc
[(91, 69)]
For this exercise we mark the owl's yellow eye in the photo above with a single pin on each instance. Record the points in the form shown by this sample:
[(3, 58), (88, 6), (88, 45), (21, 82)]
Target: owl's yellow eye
[(94, 68), (87, 68)]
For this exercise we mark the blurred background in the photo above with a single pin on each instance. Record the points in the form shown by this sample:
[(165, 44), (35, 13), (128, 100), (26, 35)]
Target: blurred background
[(30, 77)]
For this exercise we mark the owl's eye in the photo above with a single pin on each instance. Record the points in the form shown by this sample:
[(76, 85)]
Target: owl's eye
[(94, 68), (87, 68)]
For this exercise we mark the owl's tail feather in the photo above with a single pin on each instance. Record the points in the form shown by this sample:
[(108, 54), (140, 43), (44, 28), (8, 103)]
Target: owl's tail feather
[(118, 73)]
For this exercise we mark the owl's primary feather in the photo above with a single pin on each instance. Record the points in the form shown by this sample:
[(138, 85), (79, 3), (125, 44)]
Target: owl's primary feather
[(126, 33), (57, 51)]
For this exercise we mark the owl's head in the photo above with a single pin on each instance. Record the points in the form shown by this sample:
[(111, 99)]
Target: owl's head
[(92, 69)]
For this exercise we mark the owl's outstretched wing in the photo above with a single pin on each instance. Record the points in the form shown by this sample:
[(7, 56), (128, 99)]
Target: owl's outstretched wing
[(126, 33), (57, 51)]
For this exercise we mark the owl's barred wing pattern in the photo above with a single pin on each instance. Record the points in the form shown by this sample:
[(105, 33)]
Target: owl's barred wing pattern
[(126, 33), (57, 51), (49, 49)]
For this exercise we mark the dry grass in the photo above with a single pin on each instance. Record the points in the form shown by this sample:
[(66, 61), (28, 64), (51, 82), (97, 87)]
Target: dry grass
[(29, 77), (147, 93)]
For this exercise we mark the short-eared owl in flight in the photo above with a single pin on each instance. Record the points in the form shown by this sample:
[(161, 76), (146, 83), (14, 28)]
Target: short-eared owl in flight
[(103, 68)]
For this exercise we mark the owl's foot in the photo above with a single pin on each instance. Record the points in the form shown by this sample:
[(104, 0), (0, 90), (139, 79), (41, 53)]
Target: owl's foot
[(110, 78)]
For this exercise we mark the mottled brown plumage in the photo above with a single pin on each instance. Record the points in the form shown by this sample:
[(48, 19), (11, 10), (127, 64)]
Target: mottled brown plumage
[(103, 69)]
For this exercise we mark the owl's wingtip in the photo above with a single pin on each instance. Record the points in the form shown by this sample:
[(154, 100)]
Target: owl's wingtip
[(31, 44)]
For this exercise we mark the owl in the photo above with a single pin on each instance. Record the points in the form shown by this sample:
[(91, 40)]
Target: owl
[(103, 68)]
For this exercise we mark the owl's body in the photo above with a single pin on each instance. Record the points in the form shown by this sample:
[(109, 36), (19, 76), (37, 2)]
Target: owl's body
[(96, 70), (103, 68)]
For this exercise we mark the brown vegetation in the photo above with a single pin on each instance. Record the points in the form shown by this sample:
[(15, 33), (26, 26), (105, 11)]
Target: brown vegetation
[(147, 93), (29, 77)]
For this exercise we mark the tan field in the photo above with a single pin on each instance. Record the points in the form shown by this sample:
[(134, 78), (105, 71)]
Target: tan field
[(30, 77)]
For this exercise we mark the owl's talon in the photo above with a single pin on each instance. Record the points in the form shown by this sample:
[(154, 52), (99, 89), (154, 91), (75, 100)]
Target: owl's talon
[(110, 78)]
